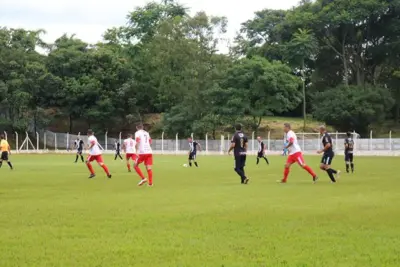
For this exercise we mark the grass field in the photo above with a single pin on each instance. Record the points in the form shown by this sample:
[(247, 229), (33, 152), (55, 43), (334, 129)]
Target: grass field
[(52, 215)]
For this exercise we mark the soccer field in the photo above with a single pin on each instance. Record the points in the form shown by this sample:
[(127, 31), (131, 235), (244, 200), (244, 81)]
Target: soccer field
[(52, 215)]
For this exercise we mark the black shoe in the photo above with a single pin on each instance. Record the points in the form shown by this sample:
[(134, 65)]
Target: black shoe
[(109, 176), (315, 179), (92, 176), (246, 181)]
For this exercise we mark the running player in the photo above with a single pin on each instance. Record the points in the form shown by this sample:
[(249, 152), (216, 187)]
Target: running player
[(5, 151), (117, 147), (79, 149), (143, 148), (328, 155), (349, 153), (261, 151), (193, 146), (95, 154), (130, 151), (295, 155)]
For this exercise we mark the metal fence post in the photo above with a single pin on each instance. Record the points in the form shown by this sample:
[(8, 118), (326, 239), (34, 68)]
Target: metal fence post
[(106, 141), (162, 143), (390, 140), (16, 142), (222, 144), (176, 144), (5, 135), (37, 141), (55, 141), (44, 140), (269, 141), (206, 143)]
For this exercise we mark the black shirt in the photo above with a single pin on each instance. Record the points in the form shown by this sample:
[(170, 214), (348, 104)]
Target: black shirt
[(79, 144), (261, 147), (240, 141), (349, 145), (193, 147), (117, 146), (327, 139)]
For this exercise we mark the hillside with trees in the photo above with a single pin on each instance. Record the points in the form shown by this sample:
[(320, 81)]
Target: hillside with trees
[(334, 61)]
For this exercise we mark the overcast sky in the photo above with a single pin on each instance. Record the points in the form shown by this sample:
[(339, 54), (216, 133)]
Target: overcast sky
[(89, 19)]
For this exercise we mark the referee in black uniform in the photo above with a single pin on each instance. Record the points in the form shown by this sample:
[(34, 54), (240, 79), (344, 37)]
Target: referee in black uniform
[(328, 155), (239, 145)]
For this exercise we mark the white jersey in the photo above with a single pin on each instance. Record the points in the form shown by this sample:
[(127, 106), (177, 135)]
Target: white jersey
[(95, 150), (143, 139), (129, 146), (292, 138)]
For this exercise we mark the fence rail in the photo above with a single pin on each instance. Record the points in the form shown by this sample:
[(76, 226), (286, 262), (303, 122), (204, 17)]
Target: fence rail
[(310, 142)]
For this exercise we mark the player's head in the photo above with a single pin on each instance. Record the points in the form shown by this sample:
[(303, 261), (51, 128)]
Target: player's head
[(322, 129), (348, 134), (90, 132), (139, 126), (2, 137), (259, 138), (286, 127), (238, 127), (190, 139)]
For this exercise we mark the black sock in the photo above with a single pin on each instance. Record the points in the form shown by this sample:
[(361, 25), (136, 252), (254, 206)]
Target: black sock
[(83, 160), (347, 167), (352, 166), (266, 160), (190, 164), (258, 160), (115, 157), (1, 163), (195, 163), (9, 164), (330, 173), (76, 159), (120, 156)]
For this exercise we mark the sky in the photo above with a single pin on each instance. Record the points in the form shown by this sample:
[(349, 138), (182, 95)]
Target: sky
[(89, 19)]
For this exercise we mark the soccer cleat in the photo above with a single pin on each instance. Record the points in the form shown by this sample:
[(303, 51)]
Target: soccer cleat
[(109, 176), (281, 181), (337, 175), (315, 179), (150, 185), (246, 181), (142, 182), (92, 176)]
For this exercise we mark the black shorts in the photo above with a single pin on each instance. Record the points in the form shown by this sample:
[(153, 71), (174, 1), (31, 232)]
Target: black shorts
[(4, 155), (192, 156), (240, 161), (348, 157), (327, 158), (79, 151), (260, 155)]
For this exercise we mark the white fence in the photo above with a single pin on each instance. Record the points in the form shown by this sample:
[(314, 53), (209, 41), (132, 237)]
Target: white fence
[(310, 142)]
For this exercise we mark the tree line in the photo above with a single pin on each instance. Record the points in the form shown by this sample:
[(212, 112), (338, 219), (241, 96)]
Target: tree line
[(337, 61)]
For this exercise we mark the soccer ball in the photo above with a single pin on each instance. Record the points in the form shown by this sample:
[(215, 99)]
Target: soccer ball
[(185, 165)]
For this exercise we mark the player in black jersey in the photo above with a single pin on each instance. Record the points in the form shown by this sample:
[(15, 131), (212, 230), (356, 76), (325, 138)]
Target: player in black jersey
[(239, 145), (261, 151), (349, 153), (328, 155), (117, 147), (193, 146), (79, 149)]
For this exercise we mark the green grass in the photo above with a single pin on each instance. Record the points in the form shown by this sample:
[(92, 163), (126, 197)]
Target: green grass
[(52, 215)]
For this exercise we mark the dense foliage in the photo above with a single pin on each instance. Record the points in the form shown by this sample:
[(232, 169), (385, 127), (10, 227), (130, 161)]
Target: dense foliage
[(337, 59)]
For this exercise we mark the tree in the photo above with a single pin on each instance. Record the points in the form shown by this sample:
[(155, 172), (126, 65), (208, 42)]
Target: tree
[(302, 47), (264, 88), (352, 107)]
